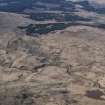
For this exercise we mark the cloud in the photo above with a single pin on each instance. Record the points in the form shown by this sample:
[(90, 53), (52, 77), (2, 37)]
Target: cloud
[(91, 1), (95, 3), (98, 1)]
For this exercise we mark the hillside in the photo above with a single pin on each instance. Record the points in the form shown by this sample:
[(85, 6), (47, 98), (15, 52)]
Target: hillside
[(65, 67), (52, 52)]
